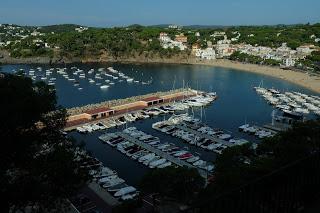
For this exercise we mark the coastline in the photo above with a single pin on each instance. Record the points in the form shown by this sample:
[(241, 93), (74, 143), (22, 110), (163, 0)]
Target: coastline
[(302, 79)]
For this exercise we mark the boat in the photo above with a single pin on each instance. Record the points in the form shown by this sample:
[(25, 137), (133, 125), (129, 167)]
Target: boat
[(193, 159), (157, 163), (104, 87), (124, 191), (243, 127), (146, 157), (129, 196), (164, 165), (113, 182)]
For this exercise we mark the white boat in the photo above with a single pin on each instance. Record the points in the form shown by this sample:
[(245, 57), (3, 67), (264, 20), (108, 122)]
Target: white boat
[(193, 159), (146, 157), (81, 129), (129, 196), (129, 80), (124, 191), (106, 179), (157, 163), (113, 182), (104, 87), (243, 127), (164, 165), (150, 160)]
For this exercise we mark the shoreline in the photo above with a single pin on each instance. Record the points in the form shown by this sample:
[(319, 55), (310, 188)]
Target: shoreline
[(299, 78)]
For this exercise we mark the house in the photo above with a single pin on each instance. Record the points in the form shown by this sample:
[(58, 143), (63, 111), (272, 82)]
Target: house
[(305, 49), (81, 29), (173, 26), (218, 34), (288, 62), (163, 37), (195, 48), (181, 38), (197, 34), (208, 54), (35, 33)]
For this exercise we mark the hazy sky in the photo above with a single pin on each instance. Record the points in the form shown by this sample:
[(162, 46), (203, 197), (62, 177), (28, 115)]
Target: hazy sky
[(148, 12)]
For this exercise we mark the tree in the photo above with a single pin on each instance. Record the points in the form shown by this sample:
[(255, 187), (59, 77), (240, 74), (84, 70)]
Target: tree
[(240, 165), (37, 161), (178, 183)]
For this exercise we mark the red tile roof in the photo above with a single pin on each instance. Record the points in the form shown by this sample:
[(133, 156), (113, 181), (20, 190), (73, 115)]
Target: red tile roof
[(152, 98), (98, 110)]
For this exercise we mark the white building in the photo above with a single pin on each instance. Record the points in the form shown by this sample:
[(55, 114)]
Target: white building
[(163, 37), (35, 33), (304, 50), (208, 54), (288, 62), (81, 29), (197, 34)]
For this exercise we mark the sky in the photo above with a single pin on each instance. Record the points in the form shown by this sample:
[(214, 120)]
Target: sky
[(108, 13)]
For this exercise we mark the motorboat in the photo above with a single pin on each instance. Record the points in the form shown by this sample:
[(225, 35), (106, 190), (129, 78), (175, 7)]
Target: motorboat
[(124, 191)]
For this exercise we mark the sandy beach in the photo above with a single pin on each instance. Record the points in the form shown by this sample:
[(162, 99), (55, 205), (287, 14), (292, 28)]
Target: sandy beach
[(299, 78)]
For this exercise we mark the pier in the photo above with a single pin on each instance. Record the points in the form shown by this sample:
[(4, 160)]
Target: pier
[(160, 153), (202, 135), (115, 108)]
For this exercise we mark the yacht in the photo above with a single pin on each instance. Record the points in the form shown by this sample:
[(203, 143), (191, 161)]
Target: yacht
[(104, 86), (156, 163), (124, 191), (112, 182)]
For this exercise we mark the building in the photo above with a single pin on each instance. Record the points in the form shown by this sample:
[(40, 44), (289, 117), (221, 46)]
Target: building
[(195, 48), (173, 26), (100, 112), (288, 62), (163, 37), (181, 38), (305, 49), (218, 34), (197, 34), (150, 101), (81, 29), (208, 54)]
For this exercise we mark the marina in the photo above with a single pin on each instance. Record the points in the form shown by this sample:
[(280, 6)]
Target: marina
[(154, 148), (237, 100)]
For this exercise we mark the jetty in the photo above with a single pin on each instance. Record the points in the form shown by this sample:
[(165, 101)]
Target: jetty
[(202, 135), (160, 153), (115, 108)]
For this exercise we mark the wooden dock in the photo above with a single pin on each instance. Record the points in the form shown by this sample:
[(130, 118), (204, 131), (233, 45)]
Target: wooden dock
[(160, 153), (202, 135)]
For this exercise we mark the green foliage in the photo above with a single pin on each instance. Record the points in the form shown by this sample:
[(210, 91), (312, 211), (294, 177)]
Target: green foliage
[(37, 161), (243, 57), (240, 165), (136, 39), (129, 206), (179, 183)]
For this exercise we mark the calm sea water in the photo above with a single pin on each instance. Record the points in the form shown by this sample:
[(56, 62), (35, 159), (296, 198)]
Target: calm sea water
[(237, 102)]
